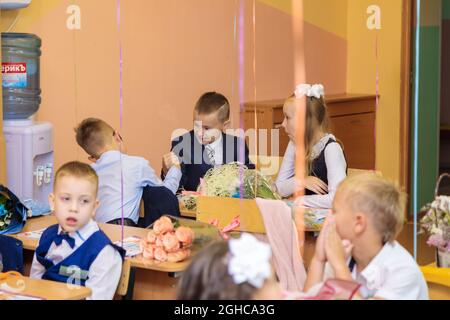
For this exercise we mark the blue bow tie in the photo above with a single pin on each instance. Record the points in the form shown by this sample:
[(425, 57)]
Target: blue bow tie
[(64, 236)]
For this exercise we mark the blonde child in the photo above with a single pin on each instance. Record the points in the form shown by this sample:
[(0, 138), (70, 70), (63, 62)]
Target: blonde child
[(102, 143), (239, 269), (368, 216), (326, 164), (75, 250)]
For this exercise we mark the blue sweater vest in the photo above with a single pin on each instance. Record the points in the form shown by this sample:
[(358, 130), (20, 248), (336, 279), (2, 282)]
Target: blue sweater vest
[(74, 269)]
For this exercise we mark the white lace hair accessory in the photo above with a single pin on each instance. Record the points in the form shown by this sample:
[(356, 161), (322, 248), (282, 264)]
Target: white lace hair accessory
[(250, 261), (316, 90)]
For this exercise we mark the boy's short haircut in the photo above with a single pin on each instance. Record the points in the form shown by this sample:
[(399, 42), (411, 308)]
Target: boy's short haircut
[(378, 197), (211, 102), (93, 134), (78, 170)]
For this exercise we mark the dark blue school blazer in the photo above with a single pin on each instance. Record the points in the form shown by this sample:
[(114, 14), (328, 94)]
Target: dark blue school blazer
[(194, 164)]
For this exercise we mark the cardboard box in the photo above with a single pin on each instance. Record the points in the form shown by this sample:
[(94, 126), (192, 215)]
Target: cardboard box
[(226, 209)]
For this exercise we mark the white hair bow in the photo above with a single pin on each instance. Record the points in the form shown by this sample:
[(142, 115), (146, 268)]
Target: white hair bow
[(316, 91), (250, 261)]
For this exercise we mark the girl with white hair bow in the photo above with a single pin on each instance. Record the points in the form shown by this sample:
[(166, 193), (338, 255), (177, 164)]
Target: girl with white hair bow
[(326, 164)]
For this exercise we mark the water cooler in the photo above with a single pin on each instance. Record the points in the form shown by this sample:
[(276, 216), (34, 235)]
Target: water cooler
[(29, 144), (29, 158)]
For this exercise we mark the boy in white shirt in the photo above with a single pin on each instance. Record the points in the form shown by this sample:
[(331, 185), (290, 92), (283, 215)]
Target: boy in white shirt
[(368, 216), (116, 170), (75, 250)]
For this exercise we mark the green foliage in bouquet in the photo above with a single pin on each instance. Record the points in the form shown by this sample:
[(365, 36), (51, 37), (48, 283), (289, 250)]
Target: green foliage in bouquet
[(230, 179)]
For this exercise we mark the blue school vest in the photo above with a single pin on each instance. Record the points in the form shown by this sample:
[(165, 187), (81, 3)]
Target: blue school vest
[(81, 258), (319, 167)]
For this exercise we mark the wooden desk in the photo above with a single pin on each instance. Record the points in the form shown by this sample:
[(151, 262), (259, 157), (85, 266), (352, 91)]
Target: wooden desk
[(153, 280), (43, 289), (438, 281), (114, 232)]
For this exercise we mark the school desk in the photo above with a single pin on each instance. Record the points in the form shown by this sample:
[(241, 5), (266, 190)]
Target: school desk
[(148, 280), (40, 289), (438, 281), (152, 280), (192, 214)]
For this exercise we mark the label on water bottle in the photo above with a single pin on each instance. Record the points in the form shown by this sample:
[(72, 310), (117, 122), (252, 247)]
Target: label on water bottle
[(14, 75)]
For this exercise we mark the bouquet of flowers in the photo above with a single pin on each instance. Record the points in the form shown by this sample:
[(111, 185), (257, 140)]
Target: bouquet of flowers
[(437, 223), (235, 180), (172, 239)]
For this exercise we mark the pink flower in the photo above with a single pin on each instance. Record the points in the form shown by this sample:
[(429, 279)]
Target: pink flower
[(160, 255), (179, 256), (185, 235), (170, 242), (163, 225), (151, 237), (438, 241)]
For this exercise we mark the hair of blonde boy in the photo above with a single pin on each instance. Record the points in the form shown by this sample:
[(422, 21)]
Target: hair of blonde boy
[(379, 198), (211, 102), (92, 135), (79, 170)]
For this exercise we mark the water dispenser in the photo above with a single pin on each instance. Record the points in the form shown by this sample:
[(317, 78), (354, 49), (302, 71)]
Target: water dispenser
[(29, 144), (29, 157)]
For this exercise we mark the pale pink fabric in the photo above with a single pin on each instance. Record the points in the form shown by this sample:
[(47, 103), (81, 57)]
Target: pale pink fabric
[(282, 237)]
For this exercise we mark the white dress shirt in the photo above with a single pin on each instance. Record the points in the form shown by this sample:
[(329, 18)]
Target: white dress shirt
[(392, 274), (216, 150), (336, 172), (104, 273), (137, 174)]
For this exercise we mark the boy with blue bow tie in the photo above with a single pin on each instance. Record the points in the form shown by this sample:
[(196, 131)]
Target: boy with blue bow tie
[(75, 250)]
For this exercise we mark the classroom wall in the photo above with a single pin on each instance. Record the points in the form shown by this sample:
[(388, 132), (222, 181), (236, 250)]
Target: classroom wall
[(340, 53), (325, 39), (326, 46), (361, 74), (173, 51)]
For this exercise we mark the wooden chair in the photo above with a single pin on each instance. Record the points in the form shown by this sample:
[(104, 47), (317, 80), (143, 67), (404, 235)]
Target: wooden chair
[(126, 283), (438, 280)]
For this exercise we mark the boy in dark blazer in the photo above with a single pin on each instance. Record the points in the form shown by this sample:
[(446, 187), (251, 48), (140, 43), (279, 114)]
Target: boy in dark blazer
[(208, 145)]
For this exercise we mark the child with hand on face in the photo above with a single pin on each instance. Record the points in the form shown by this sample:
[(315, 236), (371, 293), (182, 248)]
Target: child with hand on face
[(368, 214)]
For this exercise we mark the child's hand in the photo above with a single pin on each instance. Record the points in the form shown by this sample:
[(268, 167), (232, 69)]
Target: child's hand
[(316, 185), (320, 254), (348, 247), (170, 160), (334, 247)]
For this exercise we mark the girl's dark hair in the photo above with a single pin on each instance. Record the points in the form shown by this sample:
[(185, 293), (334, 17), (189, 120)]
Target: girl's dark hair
[(207, 277)]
